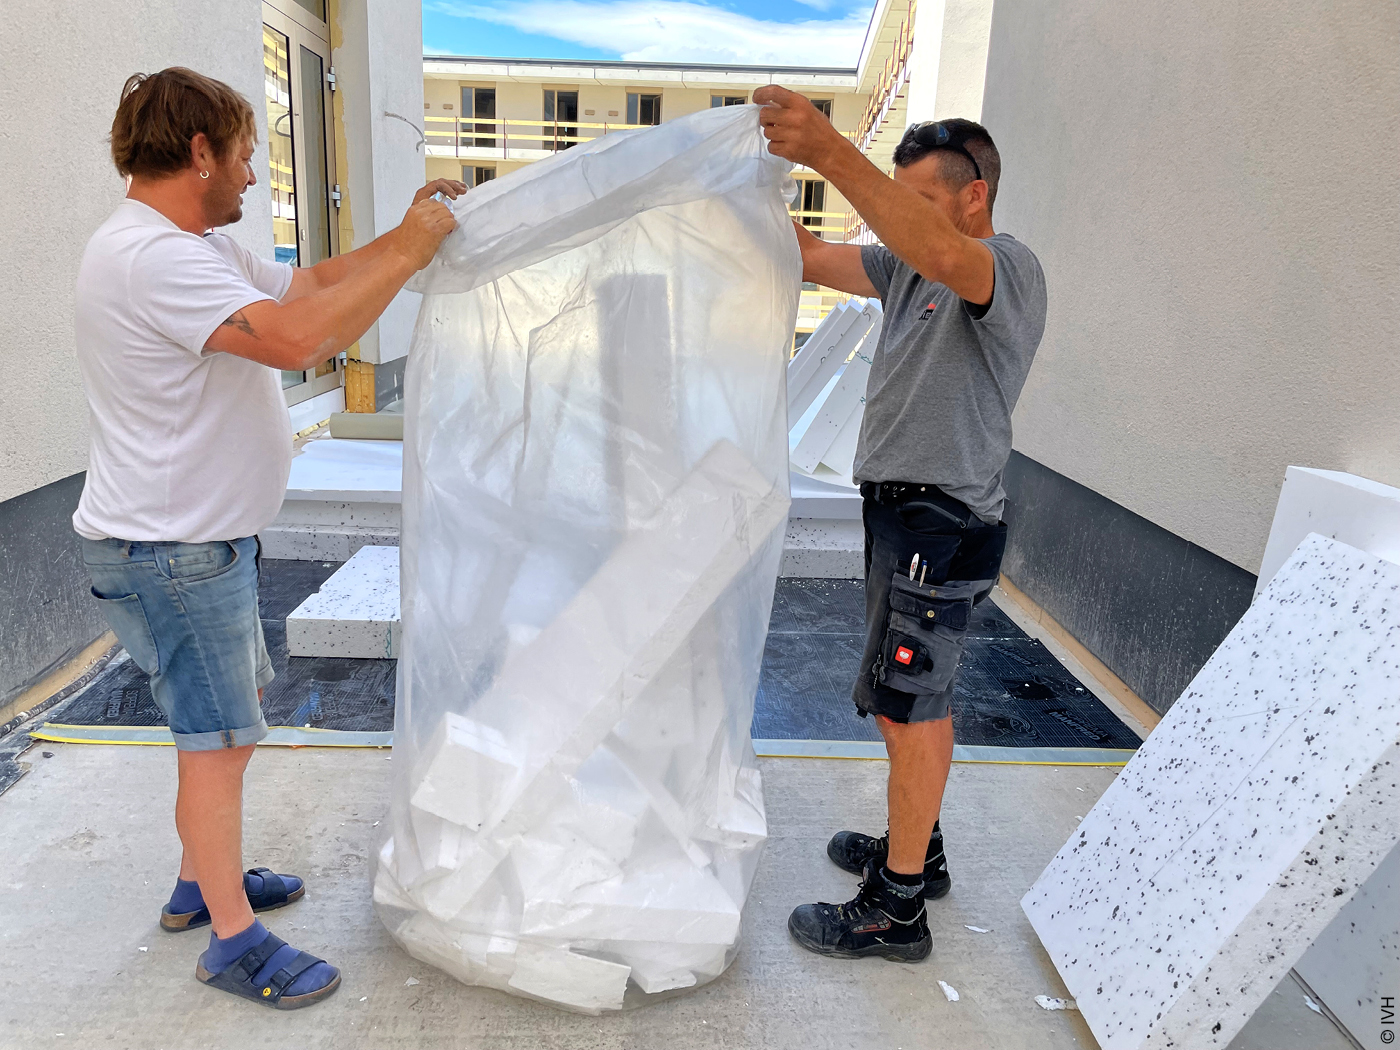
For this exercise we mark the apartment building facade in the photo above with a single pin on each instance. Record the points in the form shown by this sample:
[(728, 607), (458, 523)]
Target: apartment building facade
[(484, 118)]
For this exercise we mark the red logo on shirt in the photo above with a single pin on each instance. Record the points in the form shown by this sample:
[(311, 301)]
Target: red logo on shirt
[(928, 311), (904, 655)]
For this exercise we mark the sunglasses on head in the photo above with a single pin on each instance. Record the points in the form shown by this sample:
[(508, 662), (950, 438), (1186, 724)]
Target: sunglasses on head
[(939, 136)]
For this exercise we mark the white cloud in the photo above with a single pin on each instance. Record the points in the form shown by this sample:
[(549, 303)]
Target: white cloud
[(679, 31)]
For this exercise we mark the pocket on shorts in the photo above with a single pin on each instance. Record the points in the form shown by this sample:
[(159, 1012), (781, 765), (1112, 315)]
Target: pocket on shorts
[(925, 629), (128, 619), (193, 562)]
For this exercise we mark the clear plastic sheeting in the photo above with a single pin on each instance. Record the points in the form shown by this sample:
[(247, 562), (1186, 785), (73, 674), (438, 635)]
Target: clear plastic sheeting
[(595, 498)]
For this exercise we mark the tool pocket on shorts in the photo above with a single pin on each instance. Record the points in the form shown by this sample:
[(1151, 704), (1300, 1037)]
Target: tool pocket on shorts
[(133, 630), (924, 633)]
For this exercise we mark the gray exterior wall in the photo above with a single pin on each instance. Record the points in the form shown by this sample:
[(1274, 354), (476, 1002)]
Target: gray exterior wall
[(1149, 604), (1211, 188), (46, 612)]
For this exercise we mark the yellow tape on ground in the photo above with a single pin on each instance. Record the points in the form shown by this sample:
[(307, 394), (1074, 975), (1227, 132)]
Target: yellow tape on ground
[(857, 750), (159, 736)]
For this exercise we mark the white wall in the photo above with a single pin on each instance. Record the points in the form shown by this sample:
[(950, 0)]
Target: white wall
[(949, 60), (379, 64), (1212, 189), (60, 185)]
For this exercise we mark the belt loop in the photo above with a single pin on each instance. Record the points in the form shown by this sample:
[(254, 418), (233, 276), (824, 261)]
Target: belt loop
[(126, 549)]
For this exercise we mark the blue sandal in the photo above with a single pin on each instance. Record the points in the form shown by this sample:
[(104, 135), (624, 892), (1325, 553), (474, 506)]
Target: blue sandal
[(254, 977), (275, 893)]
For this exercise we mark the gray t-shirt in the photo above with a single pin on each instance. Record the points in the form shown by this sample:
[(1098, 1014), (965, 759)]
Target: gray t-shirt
[(943, 381)]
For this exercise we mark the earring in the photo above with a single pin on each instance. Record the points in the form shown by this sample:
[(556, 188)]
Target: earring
[(203, 174)]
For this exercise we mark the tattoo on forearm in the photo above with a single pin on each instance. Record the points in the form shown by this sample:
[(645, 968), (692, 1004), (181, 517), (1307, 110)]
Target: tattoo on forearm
[(239, 321)]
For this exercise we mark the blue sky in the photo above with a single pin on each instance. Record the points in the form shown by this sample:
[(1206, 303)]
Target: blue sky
[(757, 32)]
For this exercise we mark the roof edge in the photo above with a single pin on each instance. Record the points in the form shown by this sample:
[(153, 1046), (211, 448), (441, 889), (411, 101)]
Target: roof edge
[(699, 67)]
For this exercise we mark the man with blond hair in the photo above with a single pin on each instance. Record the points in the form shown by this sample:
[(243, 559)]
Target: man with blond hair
[(180, 337)]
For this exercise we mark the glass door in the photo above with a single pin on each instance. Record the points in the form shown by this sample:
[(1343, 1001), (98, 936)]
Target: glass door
[(301, 163), (480, 103), (560, 109)]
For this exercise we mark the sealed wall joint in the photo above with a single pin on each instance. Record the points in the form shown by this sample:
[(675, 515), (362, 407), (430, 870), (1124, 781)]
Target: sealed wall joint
[(1149, 604), (46, 612)]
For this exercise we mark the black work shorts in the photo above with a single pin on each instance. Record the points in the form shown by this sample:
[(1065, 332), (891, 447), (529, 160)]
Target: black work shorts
[(914, 631)]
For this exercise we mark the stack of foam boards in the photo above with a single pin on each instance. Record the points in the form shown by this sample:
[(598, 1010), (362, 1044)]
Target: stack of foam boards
[(594, 817), (826, 401), (1248, 819), (341, 495), (826, 389)]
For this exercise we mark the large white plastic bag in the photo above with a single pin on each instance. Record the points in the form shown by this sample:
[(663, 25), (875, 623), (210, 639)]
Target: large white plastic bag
[(595, 498)]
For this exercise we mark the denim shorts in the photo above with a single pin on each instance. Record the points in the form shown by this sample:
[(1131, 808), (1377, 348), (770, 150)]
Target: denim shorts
[(915, 629), (187, 613)]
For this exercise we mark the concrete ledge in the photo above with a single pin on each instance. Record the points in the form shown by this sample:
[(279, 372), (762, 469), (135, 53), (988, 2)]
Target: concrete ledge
[(323, 542), (338, 512), (824, 548)]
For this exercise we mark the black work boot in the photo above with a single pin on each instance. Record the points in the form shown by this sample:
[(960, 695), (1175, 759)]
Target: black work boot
[(877, 922), (853, 852)]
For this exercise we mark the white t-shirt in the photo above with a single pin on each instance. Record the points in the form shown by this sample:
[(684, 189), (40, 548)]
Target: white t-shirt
[(187, 444)]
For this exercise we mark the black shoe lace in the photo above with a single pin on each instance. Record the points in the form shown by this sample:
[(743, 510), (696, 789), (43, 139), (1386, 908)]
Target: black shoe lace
[(860, 906)]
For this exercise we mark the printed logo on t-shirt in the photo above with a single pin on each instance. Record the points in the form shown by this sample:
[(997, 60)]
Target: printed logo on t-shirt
[(928, 311)]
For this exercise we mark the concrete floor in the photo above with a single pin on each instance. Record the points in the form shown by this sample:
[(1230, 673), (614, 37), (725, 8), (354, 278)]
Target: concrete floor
[(90, 854)]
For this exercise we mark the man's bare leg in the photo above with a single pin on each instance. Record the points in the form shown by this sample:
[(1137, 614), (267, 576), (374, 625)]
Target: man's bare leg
[(921, 754), (187, 873), (209, 818), (887, 916)]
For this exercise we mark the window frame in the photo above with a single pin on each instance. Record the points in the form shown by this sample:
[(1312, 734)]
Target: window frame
[(300, 29), (635, 99)]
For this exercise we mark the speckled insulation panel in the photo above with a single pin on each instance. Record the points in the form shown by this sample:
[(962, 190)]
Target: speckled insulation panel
[(1267, 795)]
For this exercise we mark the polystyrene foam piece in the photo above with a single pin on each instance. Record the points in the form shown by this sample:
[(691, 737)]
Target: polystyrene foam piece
[(555, 871), (387, 890), (355, 614), (657, 958), (581, 672), (840, 456), (563, 976), (675, 902), (450, 896), (832, 357), (1358, 511), (739, 820), (466, 763), (843, 401), (1247, 819), (820, 343), (441, 947)]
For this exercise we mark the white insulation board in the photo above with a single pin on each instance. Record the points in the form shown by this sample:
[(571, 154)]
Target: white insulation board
[(1268, 794)]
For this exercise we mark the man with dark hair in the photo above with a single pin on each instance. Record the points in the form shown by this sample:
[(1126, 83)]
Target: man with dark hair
[(964, 313), (180, 336)]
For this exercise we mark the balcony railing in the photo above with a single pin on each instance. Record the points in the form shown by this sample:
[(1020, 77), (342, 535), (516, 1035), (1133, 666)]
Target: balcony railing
[(477, 138), (817, 222), (892, 79), (451, 136)]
